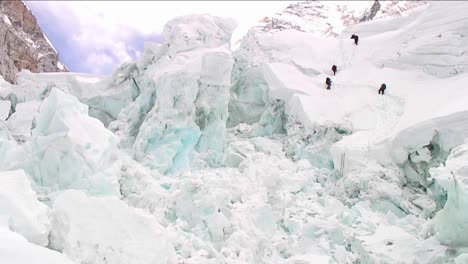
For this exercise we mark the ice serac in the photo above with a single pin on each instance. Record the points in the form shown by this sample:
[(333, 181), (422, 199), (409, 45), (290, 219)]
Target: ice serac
[(184, 93), (69, 149), (20, 210), (19, 124), (104, 96), (212, 105), (451, 223), (105, 230)]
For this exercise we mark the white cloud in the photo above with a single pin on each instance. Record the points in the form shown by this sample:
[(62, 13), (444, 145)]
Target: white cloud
[(98, 61), (113, 30)]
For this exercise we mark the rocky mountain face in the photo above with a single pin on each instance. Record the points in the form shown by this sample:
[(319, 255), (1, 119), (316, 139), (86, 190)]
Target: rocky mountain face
[(23, 45), (328, 18)]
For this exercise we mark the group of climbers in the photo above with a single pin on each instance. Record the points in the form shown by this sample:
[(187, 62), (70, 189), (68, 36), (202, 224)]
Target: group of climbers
[(328, 81)]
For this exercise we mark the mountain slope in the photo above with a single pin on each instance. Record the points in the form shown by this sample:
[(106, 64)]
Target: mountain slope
[(23, 44)]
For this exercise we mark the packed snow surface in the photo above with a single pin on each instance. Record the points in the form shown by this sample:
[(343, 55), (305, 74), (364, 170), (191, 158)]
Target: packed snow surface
[(196, 153)]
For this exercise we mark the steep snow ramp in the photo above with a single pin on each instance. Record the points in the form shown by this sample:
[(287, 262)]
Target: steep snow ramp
[(428, 39)]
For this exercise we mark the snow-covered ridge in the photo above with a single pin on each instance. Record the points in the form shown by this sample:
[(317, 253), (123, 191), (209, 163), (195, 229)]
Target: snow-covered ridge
[(198, 154), (329, 18)]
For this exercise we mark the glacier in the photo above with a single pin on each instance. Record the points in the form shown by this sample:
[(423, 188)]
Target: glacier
[(200, 152)]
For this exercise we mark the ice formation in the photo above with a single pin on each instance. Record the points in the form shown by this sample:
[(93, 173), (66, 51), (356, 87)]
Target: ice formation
[(451, 223), (197, 153), (184, 93), (74, 149)]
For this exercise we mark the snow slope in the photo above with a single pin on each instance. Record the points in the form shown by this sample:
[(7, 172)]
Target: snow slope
[(15, 249), (196, 153)]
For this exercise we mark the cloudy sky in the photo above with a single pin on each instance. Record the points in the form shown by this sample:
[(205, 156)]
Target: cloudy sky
[(96, 36)]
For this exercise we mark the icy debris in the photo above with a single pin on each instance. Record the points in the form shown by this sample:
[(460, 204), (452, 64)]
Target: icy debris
[(15, 249), (106, 230), (236, 152), (272, 120), (140, 187), (312, 144), (20, 209)]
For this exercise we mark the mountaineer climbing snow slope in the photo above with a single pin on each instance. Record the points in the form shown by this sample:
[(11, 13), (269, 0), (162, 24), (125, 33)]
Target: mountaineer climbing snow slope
[(201, 152)]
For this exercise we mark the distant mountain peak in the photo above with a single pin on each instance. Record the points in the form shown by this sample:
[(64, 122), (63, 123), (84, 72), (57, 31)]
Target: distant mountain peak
[(328, 18), (24, 45)]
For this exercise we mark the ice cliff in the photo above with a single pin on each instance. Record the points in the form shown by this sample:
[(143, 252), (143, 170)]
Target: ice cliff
[(201, 153), (183, 96)]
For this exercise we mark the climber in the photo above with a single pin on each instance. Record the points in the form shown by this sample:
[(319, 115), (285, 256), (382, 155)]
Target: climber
[(356, 38), (328, 82), (334, 70), (382, 88)]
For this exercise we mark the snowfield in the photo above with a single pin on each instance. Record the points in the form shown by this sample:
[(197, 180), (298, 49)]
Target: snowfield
[(198, 153)]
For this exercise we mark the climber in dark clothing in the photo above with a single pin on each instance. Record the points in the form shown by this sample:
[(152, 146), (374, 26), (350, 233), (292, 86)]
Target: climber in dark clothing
[(328, 82), (334, 70), (356, 38), (382, 88)]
